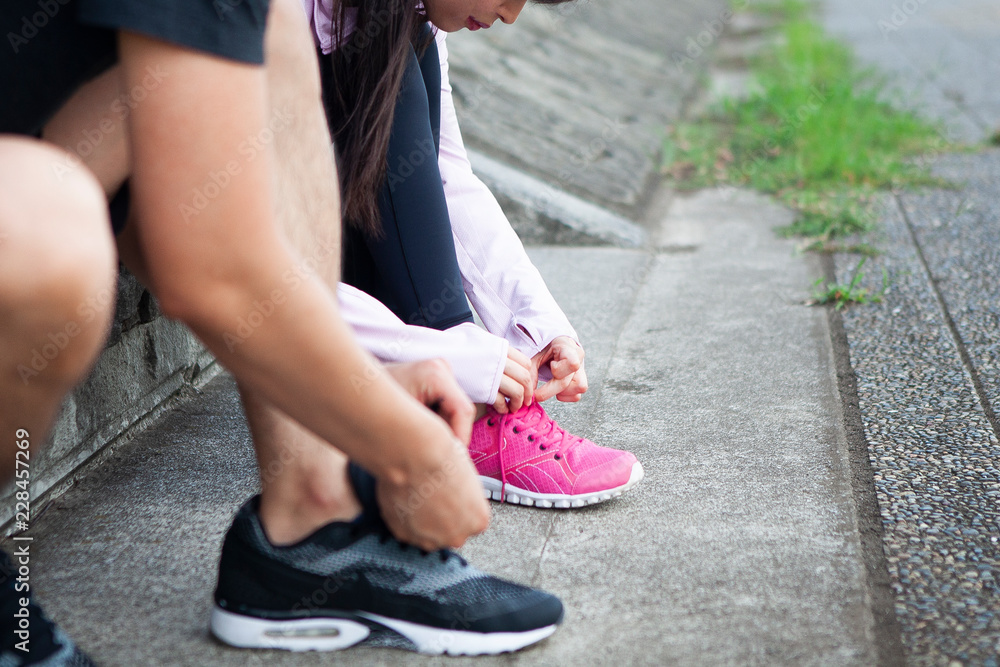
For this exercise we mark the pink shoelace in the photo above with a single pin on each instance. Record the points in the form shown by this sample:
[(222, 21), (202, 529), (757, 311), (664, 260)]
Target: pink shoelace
[(554, 436), (503, 444)]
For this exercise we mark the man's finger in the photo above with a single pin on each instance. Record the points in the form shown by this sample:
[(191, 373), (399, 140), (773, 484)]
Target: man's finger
[(459, 413)]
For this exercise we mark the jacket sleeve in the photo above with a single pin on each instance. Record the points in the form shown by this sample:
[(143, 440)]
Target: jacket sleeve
[(503, 285), (477, 357)]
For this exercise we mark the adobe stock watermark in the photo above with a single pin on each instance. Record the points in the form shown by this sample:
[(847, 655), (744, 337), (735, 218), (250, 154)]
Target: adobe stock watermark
[(289, 453), (713, 30), (389, 353), (224, 7), (394, 351), (949, 134), (598, 146), (425, 490), (406, 165), (432, 312), (556, 15), (220, 179), (121, 107), (362, 37), (32, 24), (586, 156), (900, 16), (291, 280), (486, 87), (57, 341), (789, 124)]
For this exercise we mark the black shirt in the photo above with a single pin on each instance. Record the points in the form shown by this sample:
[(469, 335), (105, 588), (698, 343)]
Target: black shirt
[(54, 46)]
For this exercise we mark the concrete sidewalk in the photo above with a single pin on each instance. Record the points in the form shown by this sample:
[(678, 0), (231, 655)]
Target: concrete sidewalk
[(740, 547)]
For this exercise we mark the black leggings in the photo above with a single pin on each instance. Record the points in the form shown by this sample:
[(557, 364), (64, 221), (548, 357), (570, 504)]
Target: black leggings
[(412, 268)]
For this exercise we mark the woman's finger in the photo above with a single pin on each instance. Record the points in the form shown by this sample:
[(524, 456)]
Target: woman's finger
[(515, 372), (552, 387), (568, 359), (514, 391), (515, 355), (576, 389)]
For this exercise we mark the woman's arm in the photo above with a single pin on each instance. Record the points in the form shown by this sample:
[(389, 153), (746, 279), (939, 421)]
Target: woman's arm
[(477, 357), (504, 286)]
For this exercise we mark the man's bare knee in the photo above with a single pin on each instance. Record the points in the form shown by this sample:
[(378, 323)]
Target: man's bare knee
[(57, 258)]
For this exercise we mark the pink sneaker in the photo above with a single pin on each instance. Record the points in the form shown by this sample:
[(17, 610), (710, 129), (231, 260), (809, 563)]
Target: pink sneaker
[(527, 458)]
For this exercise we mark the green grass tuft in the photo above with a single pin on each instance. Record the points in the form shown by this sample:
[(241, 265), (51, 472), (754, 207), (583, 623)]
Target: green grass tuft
[(843, 294), (815, 133)]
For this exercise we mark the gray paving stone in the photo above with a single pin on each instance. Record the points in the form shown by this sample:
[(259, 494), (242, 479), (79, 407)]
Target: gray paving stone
[(959, 234), (721, 383), (926, 359), (939, 57), (934, 456)]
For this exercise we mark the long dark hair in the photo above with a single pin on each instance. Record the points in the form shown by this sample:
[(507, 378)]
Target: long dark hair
[(367, 72)]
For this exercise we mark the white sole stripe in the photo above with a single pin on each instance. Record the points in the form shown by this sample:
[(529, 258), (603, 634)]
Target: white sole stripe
[(334, 634), (435, 641), (518, 496)]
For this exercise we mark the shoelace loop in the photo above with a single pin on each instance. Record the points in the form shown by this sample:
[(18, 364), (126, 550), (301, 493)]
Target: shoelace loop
[(554, 435), (503, 467)]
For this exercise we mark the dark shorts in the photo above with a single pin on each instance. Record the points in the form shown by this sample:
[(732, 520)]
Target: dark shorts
[(55, 46)]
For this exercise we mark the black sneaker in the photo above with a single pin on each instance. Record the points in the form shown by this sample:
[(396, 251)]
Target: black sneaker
[(27, 636), (348, 581)]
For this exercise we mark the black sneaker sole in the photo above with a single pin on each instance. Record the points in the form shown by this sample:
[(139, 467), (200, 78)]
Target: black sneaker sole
[(335, 633)]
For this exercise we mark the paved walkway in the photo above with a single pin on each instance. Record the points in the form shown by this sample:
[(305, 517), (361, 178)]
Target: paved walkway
[(740, 546), (928, 359), (744, 544)]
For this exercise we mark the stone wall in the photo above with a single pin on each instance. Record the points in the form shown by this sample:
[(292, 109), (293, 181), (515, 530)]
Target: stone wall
[(149, 363)]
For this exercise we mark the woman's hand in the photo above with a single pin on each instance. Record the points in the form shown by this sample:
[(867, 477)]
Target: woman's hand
[(564, 357), (517, 386)]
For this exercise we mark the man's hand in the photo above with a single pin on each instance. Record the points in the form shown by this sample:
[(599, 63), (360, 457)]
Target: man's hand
[(433, 384), (564, 357), (442, 504), (438, 507), (517, 386)]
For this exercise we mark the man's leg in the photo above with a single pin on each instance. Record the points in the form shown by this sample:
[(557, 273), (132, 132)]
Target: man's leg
[(57, 268), (304, 480)]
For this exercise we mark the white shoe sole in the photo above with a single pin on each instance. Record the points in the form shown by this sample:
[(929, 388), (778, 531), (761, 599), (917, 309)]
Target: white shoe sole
[(306, 634), (519, 496), (332, 634)]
